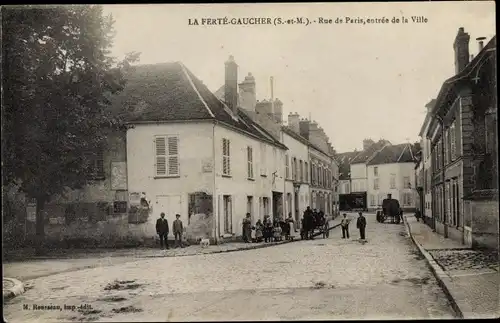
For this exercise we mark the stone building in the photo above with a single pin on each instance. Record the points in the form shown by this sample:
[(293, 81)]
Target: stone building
[(463, 135)]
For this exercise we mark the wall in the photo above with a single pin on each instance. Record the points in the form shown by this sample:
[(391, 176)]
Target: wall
[(400, 170), (485, 224), (238, 186), (94, 218), (358, 178), (300, 151), (344, 186), (170, 195)]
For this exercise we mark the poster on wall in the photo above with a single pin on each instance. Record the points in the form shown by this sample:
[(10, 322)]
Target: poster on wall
[(118, 175)]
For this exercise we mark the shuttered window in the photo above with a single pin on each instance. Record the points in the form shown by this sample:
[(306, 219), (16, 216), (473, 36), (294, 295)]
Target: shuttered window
[(167, 156), (287, 167), (453, 142), (250, 161), (226, 157)]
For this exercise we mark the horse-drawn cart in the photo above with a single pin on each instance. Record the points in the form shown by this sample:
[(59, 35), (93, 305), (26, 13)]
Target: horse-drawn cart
[(389, 210), (321, 227)]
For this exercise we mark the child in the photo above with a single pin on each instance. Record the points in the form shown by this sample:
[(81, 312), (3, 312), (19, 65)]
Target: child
[(258, 231), (277, 232)]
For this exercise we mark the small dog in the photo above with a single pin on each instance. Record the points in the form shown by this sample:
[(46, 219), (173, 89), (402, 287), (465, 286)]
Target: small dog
[(204, 243)]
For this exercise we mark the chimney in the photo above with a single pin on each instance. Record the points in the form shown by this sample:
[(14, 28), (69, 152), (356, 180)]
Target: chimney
[(430, 105), (461, 47), (231, 85), (293, 122), (304, 126), (480, 41), (278, 111), (248, 93), (367, 143)]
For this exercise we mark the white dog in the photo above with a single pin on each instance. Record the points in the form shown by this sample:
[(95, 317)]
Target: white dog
[(204, 243)]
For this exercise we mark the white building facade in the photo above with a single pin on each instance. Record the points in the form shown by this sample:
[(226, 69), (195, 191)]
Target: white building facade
[(296, 174), (397, 179)]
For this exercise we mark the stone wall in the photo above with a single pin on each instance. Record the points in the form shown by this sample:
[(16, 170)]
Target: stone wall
[(485, 224)]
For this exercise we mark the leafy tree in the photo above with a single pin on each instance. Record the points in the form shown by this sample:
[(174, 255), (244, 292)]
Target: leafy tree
[(58, 77)]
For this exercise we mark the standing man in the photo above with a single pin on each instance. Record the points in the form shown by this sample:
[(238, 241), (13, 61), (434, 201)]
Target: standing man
[(361, 225), (178, 229), (345, 226), (308, 223), (247, 228), (162, 230)]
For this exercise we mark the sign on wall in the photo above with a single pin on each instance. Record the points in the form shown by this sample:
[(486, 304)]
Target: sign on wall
[(207, 166), (118, 175)]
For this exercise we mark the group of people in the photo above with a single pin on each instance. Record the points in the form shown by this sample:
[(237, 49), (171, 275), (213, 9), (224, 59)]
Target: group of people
[(311, 220), (360, 225), (162, 229), (268, 230)]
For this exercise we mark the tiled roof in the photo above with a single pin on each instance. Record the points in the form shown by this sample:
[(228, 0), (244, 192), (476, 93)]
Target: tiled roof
[(344, 160), (391, 154), (366, 154), (170, 92)]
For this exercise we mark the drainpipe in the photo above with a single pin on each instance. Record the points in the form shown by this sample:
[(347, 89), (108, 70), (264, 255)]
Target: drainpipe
[(443, 173)]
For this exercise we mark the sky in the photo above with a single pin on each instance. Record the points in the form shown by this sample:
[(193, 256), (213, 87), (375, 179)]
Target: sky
[(356, 80)]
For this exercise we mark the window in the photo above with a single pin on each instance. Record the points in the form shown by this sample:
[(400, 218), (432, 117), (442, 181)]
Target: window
[(406, 182), (275, 160), (446, 150), (375, 171), (453, 142), (250, 161), (263, 159), (228, 217), (407, 199), (97, 166), (306, 172), (167, 155), (375, 184), (287, 167), (372, 200), (354, 187), (393, 181), (346, 188), (226, 157), (301, 171)]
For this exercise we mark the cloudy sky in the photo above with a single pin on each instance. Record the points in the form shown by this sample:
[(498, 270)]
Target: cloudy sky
[(357, 81)]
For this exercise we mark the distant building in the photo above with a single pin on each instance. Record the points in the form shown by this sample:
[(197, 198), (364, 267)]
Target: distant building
[(391, 171), (424, 187)]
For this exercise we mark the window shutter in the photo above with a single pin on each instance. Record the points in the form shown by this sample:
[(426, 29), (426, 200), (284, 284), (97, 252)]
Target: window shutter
[(173, 156), (453, 142), (161, 158), (226, 167)]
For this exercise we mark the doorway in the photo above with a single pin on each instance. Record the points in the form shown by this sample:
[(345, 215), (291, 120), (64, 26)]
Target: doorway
[(228, 214), (296, 210), (250, 206), (277, 204)]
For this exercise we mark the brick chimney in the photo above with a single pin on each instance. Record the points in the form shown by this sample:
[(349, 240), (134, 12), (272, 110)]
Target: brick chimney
[(293, 122), (231, 85), (248, 93), (461, 47), (278, 111), (304, 126)]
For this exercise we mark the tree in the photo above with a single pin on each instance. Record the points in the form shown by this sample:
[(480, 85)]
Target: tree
[(58, 77)]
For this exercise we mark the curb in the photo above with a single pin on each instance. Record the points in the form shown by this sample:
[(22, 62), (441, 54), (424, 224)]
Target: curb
[(437, 271), (14, 291)]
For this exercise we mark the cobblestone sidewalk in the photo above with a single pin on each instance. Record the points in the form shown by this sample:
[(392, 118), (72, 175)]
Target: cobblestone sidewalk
[(471, 277)]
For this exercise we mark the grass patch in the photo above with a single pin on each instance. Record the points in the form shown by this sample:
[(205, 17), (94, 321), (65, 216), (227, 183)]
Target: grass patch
[(321, 285), (113, 299), (122, 285), (127, 309)]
